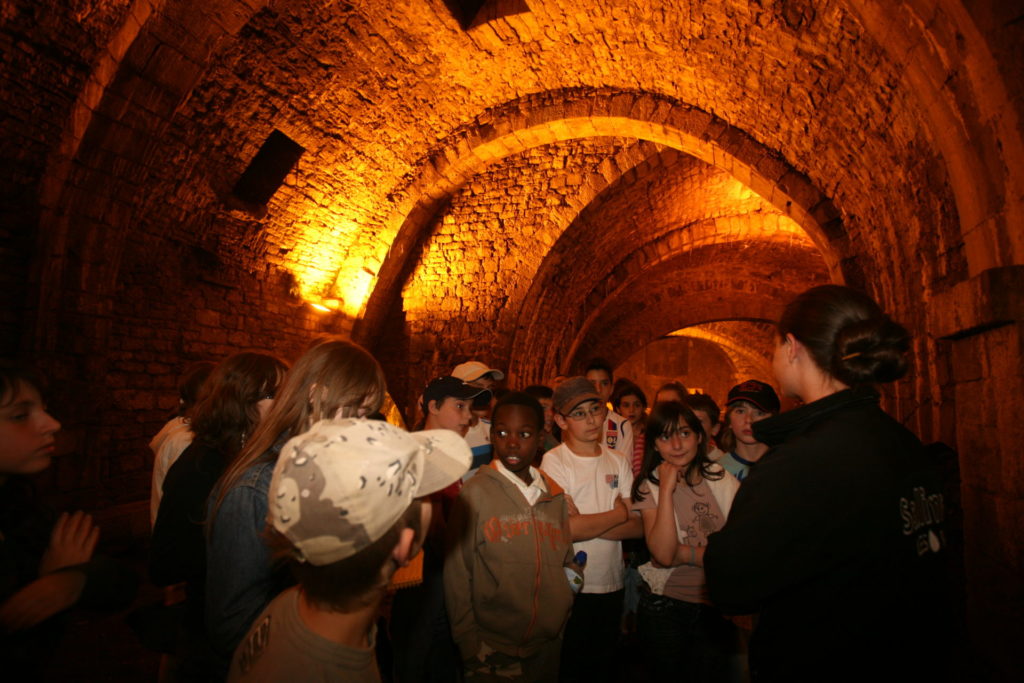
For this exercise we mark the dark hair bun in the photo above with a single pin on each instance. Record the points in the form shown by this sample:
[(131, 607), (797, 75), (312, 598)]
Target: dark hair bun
[(870, 351)]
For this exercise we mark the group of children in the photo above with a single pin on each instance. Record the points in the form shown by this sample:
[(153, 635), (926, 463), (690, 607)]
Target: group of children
[(523, 571), (295, 516), (524, 567), (516, 531)]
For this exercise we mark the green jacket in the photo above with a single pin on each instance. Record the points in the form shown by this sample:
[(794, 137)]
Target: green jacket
[(503, 576)]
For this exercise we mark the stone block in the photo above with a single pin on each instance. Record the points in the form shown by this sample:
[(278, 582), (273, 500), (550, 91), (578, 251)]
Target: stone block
[(989, 299)]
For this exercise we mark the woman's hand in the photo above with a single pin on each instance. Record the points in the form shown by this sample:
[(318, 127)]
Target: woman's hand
[(41, 599), (72, 542), (668, 477)]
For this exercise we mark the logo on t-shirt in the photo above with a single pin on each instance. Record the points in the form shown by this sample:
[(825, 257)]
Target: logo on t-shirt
[(612, 435), (612, 480), (254, 645)]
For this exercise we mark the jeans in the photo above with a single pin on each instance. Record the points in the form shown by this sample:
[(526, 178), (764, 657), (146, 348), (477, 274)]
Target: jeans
[(684, 641)]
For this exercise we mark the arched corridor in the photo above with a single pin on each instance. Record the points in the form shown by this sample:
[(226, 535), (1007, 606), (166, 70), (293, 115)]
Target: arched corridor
[(529, 183)]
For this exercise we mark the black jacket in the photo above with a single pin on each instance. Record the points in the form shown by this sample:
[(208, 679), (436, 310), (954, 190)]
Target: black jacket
[(178, 549), (836, 537)]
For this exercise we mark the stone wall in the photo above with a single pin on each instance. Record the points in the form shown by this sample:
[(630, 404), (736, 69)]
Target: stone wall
[(698, 364), (716, 156)]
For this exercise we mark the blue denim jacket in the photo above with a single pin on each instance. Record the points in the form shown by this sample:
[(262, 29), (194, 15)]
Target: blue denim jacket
[(240, 581)]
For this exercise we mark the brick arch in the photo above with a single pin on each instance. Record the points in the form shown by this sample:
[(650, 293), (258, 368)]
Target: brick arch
[(427, 335), (90, 190), (710, 283), (435, 330), (575, 113), (620, 271), (746, 358), (948, 66)]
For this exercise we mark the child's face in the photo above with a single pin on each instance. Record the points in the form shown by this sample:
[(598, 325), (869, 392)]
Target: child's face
[(26, 433), (631, 408), (453, 413), (742, 417), (705, 422), (679, 447), (515, 437), (584, 423), (602, 382)]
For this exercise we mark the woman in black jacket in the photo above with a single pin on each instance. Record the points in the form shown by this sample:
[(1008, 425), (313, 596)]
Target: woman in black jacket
[(836, 537)]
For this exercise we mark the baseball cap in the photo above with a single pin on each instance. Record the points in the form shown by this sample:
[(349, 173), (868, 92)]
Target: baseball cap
[(573, 392), (760, 394), (343, 484), (441, 388), (474, 369)]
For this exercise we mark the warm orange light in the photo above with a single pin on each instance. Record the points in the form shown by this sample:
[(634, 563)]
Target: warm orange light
[(333, 269), (352, 288)]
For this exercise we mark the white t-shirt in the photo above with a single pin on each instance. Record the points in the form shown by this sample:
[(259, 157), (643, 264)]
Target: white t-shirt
[(593, 483), (167, 446), (479, 439)]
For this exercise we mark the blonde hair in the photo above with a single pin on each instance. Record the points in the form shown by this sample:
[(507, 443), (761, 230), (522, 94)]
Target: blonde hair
[(334, 378)]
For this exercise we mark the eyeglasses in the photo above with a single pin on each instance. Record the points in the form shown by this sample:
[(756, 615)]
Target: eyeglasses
[(597, 410)]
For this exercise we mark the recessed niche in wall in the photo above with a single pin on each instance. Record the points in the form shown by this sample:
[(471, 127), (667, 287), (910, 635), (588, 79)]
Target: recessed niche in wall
[(470, 13), (267, 170)]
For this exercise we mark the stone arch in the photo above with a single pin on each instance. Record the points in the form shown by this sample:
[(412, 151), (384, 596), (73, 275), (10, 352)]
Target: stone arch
[(949, 68), (720, 283), (623, 265), (424, 328), (574, 113), (149, 68), (745, 358)]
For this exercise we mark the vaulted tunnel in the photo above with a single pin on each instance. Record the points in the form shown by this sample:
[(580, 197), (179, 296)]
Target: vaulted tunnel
[(532, 185)]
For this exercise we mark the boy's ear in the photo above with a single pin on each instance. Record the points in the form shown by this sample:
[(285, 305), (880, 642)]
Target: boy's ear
[(432, 407), (562, 423)]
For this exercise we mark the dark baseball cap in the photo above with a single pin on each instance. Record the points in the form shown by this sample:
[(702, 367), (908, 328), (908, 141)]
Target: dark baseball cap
[(760, 394), (441, 388)]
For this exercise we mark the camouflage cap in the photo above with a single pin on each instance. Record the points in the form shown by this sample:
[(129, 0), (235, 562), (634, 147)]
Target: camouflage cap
[(340, 486)]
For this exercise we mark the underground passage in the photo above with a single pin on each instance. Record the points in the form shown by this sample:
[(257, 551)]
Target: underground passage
[(539, 187)]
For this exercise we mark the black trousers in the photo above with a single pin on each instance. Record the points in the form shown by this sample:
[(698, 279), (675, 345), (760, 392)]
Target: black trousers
[(591, 638)]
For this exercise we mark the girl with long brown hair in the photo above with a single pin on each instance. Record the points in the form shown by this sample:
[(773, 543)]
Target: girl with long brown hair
[(683, 497), (332, 379), (231, 403)]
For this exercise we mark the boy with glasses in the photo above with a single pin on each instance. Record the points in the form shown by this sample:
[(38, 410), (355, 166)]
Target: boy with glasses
[(598, 482)]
